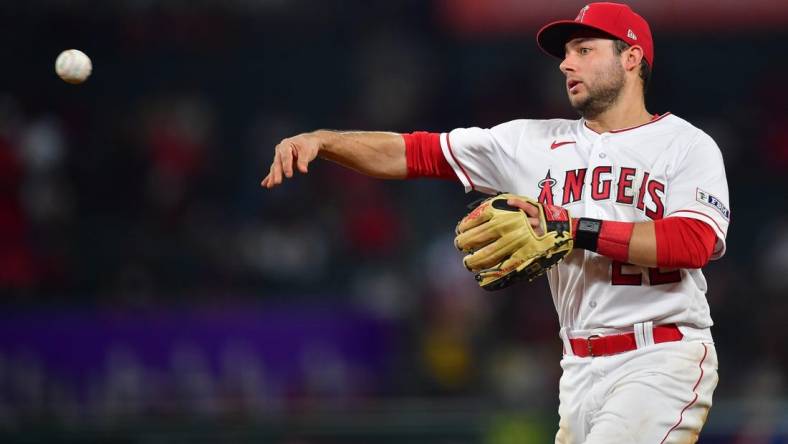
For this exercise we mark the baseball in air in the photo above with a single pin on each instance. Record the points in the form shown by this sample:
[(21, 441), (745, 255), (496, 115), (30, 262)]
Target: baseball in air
[(73, 66)]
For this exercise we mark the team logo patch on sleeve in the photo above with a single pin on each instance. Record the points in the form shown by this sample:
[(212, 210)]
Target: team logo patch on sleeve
[(707, 199)]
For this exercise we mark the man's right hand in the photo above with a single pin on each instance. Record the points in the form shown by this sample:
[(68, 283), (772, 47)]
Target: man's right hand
[(298, 150), (374, 153)]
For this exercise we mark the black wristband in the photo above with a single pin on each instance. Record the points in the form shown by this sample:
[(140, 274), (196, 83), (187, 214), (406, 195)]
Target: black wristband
[(587, 233)]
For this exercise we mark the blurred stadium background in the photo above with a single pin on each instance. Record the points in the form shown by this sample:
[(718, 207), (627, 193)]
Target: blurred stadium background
[(153, 293)]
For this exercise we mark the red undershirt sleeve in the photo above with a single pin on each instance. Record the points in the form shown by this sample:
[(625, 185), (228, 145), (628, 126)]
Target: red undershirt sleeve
[(683, 242), (425, 158)]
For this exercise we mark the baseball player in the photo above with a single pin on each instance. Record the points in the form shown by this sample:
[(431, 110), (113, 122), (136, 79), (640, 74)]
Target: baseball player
[(649, 201)]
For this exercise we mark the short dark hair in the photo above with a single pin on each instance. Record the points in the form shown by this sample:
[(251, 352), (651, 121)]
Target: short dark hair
[(645, 70)]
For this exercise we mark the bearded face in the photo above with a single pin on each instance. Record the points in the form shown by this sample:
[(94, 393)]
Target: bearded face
[(595, 76), (599, 90)]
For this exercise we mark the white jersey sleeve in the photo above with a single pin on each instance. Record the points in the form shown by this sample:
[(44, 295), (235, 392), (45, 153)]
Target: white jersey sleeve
[(698, 189), (484, 158)]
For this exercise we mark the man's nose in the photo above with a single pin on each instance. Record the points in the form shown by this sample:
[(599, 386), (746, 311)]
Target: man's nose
[(566, 65)]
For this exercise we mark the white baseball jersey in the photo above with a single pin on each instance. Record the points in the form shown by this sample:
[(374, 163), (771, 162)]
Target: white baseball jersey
[(664, 168)]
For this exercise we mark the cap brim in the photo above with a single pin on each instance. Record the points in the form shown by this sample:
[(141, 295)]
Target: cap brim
[(552, 37)]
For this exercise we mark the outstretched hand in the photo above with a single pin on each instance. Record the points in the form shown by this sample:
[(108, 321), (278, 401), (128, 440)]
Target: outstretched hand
[(293, 152)]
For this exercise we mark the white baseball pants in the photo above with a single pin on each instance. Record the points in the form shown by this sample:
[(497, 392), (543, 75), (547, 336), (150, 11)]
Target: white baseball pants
[(657, 394)]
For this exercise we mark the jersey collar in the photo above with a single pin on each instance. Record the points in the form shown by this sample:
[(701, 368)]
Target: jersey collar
[(654, 118)]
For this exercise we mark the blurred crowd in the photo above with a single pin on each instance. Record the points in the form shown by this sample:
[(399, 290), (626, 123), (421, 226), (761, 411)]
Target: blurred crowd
[(139, 189)]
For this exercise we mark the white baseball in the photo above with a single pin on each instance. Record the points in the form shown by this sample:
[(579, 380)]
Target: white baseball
[(73, 66)]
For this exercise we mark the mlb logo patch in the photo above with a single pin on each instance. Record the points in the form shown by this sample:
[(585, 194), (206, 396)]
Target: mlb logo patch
[(707, 199)]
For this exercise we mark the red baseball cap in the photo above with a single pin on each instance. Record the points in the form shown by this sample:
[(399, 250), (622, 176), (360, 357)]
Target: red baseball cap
[(617, 20)]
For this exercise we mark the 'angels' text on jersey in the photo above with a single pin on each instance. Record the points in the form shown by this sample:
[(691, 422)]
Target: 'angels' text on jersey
[(622, 185)]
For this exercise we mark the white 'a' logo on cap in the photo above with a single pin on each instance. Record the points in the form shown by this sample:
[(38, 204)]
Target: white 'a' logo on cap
[(631, 34), (581, 15)]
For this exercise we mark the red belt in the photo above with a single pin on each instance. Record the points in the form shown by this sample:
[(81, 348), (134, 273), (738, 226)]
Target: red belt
[(607, 345)]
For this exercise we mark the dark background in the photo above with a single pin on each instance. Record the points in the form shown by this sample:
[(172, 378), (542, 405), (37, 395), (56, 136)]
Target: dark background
[(153, 292)]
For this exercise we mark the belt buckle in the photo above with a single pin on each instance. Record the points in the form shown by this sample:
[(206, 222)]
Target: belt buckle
[(590, 345)]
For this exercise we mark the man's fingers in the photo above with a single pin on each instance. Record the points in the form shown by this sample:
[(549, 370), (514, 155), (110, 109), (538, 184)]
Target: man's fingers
[(276, 170), (536, 224), (289, 154), (269, 178), (531, 210), (286, 156), (302, 162)]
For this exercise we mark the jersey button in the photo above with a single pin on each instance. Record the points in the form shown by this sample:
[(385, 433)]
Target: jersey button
[(592, 304), (602, 155)]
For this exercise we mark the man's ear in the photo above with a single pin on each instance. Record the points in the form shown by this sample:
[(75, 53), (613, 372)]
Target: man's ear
[(632, 57)]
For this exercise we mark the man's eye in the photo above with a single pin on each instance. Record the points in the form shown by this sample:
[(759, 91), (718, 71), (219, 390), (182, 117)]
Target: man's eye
[(585, 51)]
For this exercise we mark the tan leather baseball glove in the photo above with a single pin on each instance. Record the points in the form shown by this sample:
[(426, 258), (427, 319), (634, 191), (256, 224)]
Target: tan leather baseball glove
[(502, 247)]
